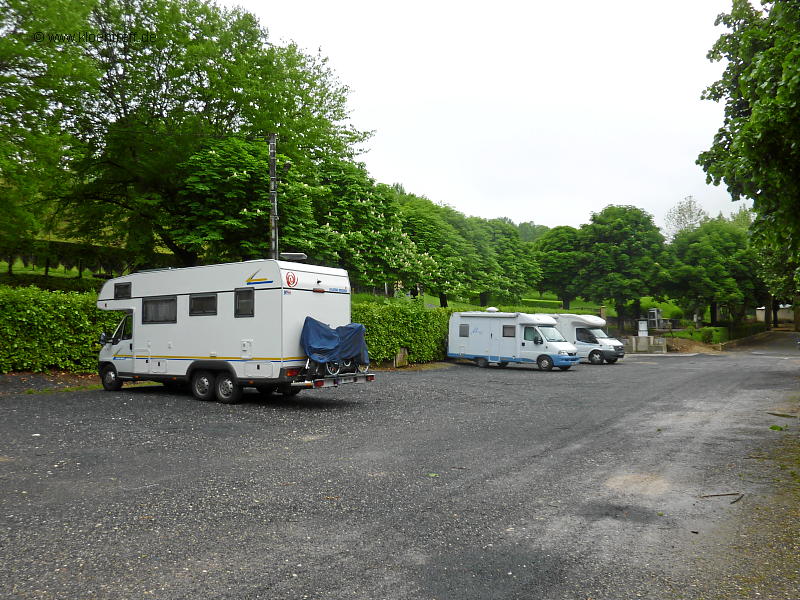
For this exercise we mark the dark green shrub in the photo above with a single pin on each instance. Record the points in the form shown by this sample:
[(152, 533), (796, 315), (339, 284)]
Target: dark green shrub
[(392, 325), (64, 284), (42, 330)]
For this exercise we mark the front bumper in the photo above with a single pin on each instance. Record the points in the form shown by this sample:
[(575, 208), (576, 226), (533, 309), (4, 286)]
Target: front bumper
[(612, 353), (562, 360)]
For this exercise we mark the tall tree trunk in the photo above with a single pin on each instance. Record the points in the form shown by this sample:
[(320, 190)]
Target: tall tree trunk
[(442, 299), (713, 311), (484, 298), (620, 306), (637, 309), (775, 307), (565, 303)]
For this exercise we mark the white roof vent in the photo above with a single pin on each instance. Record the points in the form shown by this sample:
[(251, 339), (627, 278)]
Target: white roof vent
[(492, 309)]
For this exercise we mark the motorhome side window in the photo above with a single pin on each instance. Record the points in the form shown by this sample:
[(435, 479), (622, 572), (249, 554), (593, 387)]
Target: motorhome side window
[(244, 303), (163, 309), (122, 291), (584, 335), (530, 334), (509, 331), (463, 330), (202, 304)]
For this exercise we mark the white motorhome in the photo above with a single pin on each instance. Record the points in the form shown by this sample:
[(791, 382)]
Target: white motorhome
[(220, 328), (589, 337), (503, 338)]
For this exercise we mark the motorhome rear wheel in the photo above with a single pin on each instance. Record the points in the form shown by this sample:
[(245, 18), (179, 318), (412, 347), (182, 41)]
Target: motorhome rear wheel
[(227, 390)]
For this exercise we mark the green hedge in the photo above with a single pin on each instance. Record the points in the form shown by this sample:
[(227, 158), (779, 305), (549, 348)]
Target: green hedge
[(42, 330), (64, 284), (392, 325)]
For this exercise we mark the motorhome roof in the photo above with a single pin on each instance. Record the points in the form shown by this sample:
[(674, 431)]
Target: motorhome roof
[(532, 319), (588, 320)]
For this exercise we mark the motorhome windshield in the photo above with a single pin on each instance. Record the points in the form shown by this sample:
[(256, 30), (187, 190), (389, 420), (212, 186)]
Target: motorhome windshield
[(551, 334), (598, 333)]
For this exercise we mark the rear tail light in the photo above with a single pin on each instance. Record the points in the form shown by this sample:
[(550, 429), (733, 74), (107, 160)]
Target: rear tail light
[(319, 383), (292, 372), (370, 377)]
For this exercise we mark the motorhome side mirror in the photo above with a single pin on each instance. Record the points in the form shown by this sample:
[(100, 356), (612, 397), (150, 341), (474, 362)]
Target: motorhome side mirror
[(103, 338), (537, 340)]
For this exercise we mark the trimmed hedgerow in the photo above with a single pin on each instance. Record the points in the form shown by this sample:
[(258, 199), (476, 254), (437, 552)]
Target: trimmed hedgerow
[(42, 330), (393, 325)]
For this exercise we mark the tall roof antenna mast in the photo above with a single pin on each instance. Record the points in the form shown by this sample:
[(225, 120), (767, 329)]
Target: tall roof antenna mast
[(273, 198)]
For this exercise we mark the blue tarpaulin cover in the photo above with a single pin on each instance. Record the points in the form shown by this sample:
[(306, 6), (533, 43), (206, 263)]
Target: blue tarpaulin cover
[(322, 343)]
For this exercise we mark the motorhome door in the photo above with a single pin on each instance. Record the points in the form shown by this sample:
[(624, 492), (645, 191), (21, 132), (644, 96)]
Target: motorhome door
[(529, 349), (122, 353)]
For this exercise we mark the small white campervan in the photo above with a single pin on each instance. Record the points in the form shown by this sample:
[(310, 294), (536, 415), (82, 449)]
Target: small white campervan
[(589, 337), (220, 328), (503, 338)]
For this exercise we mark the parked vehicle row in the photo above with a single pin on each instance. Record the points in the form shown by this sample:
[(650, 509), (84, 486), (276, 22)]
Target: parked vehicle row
[(548, 340)]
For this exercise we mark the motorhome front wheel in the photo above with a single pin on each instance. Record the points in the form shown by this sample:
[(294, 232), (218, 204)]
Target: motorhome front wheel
[(108, 376)]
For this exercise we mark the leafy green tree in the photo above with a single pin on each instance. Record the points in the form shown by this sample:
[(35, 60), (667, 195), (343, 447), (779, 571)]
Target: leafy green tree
[(625, 257), (756, 151), (168, 78), (223, 200), (363, 223), (39, 80), (530, 231), (716, 266), (518, 265), (432, 233), (686, 214), (560, 259)]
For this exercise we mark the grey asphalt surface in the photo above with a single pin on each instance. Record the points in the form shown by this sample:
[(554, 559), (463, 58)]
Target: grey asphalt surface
[(453, 482)]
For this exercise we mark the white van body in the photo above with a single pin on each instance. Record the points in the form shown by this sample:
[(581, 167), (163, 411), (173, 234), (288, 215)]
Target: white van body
[(503, 338), (242, 320), (589, 337)]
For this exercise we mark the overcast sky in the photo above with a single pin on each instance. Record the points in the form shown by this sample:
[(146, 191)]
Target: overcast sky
[(537, 111)]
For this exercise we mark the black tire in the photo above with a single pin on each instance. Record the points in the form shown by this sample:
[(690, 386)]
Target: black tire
[(288, 391), (227, 390), (595, 357), (203, 385), (502, 364), (565, 367), (482, 362), (108, 377), (611, 361), (545, 363)]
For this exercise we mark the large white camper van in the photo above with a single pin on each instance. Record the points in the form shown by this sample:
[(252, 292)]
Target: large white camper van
[(503, 338), (589, 337), (222, 327)]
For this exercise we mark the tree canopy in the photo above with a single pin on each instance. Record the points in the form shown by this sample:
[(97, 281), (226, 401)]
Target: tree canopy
[(756, 153)]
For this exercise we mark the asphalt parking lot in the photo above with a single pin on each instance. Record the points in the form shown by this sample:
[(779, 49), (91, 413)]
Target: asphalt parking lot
[(449, 482)]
